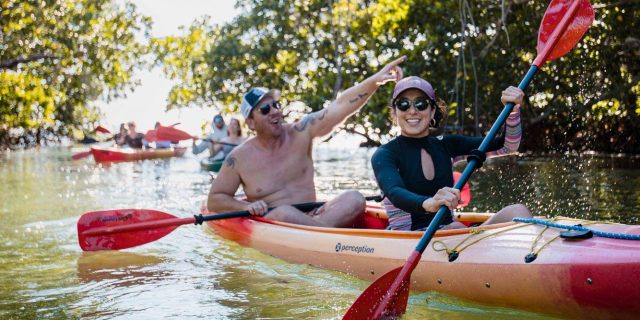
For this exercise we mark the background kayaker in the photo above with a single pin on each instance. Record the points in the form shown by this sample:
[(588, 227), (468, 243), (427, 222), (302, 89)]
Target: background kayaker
[(414, 170), (218, 131), (119, 137), (134, 139), (234, 136), (275, 168), (161, 144)]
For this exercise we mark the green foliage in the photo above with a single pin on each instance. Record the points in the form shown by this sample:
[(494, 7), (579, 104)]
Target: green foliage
[(182, 59), (63, 55), (469, 50)]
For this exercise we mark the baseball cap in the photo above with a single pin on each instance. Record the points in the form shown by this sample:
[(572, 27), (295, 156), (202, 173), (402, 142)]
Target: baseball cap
[(413, 82), (251, 99), (218, 118)]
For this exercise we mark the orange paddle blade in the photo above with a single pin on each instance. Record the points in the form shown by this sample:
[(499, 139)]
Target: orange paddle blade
[(171, 134), (124, 228), (579, 15)]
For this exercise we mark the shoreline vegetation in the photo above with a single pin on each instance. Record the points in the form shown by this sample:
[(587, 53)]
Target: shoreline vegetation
[(57, 59)]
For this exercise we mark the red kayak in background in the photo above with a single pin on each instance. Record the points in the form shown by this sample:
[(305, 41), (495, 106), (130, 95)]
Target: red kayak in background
[(117, 154)]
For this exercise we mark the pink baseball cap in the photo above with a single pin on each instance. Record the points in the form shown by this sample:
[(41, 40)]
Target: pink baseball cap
[(413, 82)]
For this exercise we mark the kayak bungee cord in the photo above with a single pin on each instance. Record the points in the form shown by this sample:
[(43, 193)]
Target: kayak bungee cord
[(613, 235), (453, 253)]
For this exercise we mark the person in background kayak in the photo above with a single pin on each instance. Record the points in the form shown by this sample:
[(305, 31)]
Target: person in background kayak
[(234, 138), (134, 139), (414, 170), (161, 144), (218, 131), (275, 168), (119, 137)]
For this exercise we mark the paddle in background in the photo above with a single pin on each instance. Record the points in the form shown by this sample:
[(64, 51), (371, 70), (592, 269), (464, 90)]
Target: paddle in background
[(84, 154), (125, 228), (174, 134), (563, 25)]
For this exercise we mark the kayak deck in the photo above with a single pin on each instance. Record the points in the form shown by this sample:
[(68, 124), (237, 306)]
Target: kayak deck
[(591, 278)]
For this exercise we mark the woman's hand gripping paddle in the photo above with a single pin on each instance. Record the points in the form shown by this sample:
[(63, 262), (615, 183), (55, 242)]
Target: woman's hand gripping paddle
[(125, 228), (563, 25)]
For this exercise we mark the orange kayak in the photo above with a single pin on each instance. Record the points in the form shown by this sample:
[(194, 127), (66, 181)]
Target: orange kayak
[(588, 278), (117, 154)]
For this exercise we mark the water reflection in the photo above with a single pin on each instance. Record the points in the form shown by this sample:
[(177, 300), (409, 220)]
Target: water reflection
[(119, 268)]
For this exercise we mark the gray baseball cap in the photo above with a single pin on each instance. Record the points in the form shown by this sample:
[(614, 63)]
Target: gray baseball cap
[(251, 99)]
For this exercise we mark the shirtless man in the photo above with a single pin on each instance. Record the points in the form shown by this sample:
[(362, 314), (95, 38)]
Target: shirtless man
[(275, 167)]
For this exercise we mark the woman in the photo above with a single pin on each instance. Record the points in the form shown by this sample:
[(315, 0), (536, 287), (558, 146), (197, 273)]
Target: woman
[(415, 171), (119, 137), (234, 137)]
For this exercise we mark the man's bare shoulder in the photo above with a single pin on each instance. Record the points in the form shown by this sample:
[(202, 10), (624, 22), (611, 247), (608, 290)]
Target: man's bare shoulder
[(236, 156)]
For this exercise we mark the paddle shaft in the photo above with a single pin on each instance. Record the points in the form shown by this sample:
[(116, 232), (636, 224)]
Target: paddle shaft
[(220, 142), (196, 219)]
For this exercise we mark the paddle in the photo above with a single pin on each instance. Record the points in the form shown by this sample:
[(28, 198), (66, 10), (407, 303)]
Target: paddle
[(102, 129), (80, 155), (125, 228), (174, 134), (563, 25)]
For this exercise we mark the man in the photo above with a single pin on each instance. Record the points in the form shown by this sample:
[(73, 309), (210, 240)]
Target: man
[(218, 131), (275, 167)]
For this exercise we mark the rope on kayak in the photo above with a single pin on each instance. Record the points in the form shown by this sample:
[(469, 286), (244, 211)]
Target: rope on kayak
[(603, 234), (454, 252)]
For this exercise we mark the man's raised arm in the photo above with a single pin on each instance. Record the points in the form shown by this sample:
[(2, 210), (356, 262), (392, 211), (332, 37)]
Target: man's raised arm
[(321, 123)]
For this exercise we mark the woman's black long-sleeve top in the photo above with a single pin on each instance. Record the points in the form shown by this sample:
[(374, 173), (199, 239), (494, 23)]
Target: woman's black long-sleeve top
[(398, 170)]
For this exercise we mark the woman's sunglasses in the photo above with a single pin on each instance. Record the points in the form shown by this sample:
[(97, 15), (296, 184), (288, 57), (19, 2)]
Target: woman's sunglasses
[(421, 104), (265, 108)]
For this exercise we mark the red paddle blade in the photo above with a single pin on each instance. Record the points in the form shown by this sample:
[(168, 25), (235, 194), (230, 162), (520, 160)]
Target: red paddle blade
[(172, 134), (81, 155), (151, 136), (465, 193), (102, 129), (580, 19), (124, 228), (367, 303)]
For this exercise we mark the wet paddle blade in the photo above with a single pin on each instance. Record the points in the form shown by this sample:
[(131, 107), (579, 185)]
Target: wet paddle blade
[(578, 25), (367, 303), (81, 155), (124, 228), (172, 134)]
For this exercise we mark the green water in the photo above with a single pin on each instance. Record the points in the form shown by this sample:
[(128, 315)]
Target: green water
[(192, 273)]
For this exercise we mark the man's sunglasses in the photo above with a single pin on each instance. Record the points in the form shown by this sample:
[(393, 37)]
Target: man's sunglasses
[(265, 108), (421, 104)]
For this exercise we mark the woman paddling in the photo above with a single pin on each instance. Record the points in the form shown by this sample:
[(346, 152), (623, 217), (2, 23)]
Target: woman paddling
[(414, 170)]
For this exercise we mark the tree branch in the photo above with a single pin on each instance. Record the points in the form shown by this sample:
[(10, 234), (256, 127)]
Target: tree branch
[(12, 63)]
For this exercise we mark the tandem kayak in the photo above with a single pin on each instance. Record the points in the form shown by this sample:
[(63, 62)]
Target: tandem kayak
[(588, 278), (117, 154), (211, 165)]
